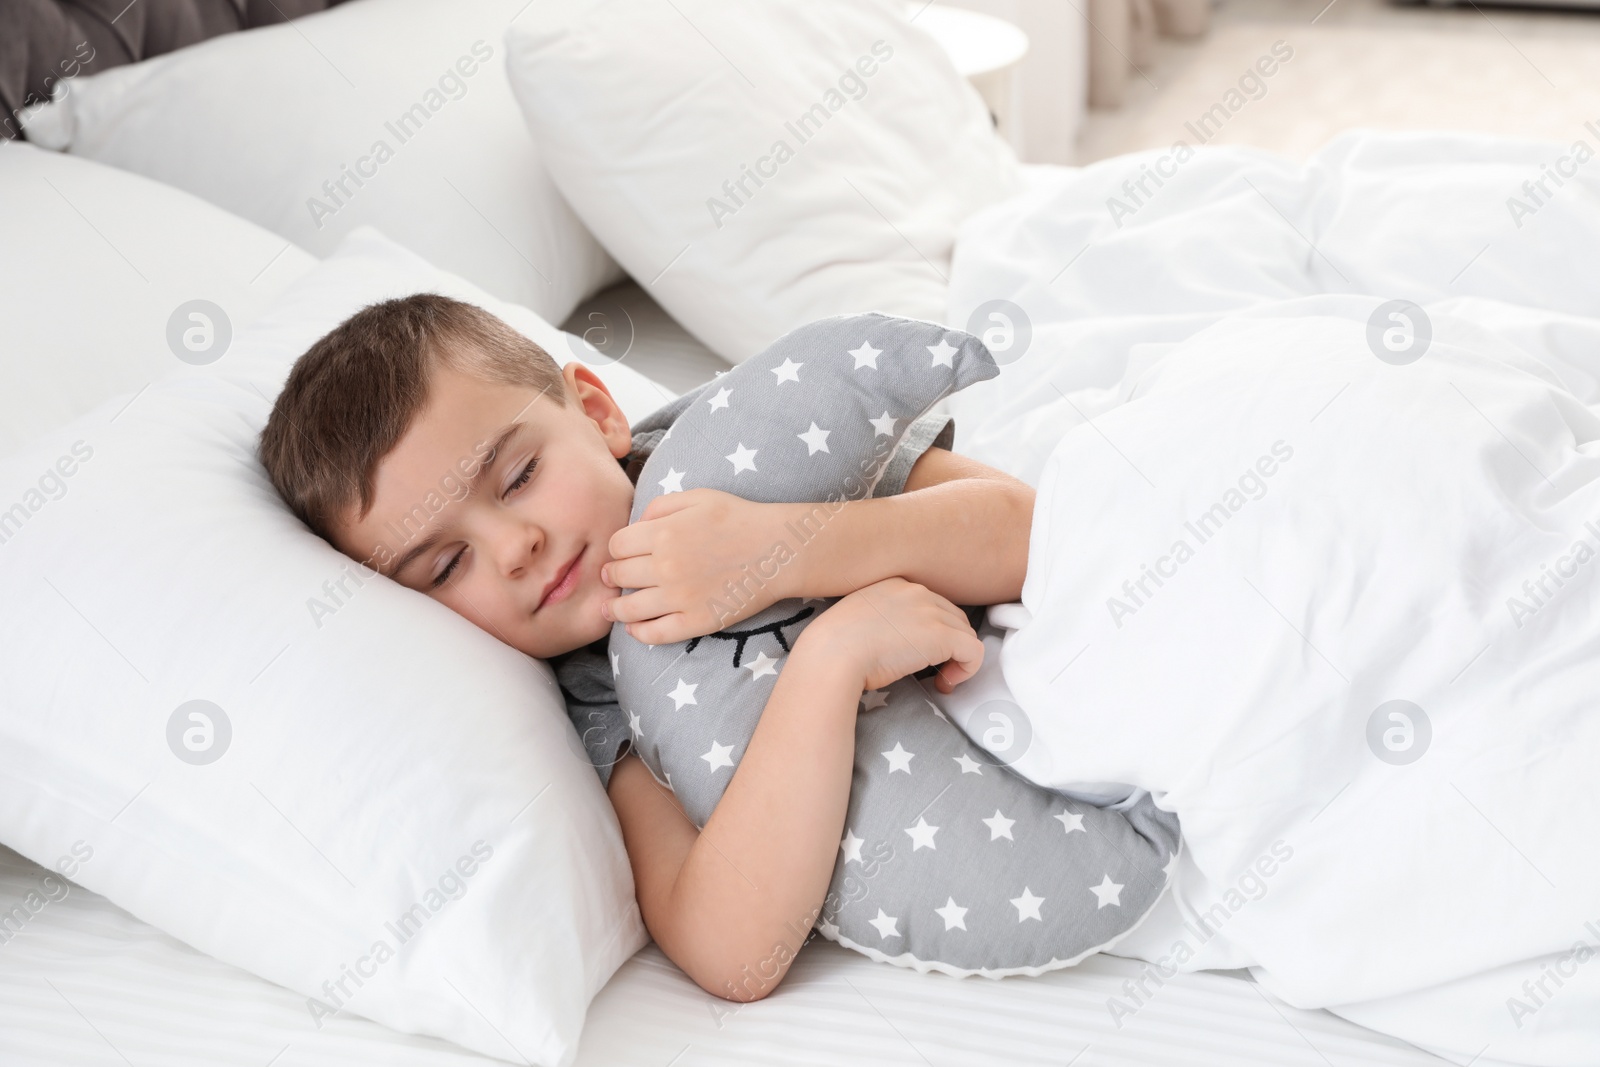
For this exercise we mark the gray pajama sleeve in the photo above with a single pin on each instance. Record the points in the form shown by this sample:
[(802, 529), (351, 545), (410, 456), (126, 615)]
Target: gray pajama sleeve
[(933, 430)]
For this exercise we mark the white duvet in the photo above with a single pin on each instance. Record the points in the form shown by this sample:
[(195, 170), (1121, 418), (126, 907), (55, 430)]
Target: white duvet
[(1339, 612)]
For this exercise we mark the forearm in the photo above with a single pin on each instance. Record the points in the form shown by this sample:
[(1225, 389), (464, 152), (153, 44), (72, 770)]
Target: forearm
[(965, 539), (753, 884)]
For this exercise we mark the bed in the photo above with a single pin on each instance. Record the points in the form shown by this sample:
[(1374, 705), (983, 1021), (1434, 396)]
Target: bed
[(84, 981), (101, 260)]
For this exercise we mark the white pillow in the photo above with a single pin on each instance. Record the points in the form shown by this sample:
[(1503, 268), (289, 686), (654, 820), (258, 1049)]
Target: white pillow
[(380, 756), (257, 122), (643, 110), (94, 263)]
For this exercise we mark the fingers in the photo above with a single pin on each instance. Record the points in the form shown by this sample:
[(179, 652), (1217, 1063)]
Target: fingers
[(635, 572), (965, 659), (639, 606), (635, 538), (666, 630), (667, 503), (632, 540)]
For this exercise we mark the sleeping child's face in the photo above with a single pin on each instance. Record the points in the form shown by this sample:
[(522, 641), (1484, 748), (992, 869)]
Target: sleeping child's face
[(531, 492)]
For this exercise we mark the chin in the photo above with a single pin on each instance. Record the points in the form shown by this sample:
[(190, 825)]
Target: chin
[(589, 633)]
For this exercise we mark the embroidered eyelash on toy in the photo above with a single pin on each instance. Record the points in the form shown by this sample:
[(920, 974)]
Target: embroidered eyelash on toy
[(958, 864)]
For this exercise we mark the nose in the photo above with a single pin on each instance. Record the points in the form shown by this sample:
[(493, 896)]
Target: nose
[(515, 543)]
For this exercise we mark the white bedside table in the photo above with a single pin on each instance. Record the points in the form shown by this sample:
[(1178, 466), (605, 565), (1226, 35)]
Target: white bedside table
[(987, 51)]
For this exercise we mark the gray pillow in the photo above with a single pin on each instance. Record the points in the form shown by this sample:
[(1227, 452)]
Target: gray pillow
[(950, 860)]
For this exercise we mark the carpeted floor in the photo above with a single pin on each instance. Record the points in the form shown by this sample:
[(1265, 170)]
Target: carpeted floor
[(1363, 63)]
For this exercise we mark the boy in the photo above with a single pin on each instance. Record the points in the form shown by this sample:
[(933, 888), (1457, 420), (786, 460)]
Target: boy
[(428, 439)]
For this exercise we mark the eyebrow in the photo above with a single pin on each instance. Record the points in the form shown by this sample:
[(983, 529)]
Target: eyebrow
[(435, 536)]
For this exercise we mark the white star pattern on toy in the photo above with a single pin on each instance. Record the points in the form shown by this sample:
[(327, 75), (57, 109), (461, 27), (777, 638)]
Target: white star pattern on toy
[(943, 354), (828, 930), (742, 458), (851, 845), (717, 756), (673, 482), (787, 371), (885, 925), (922, 835), (816, 439), (1171, 867), (968, 764), (873, 699), (616, 664), (635, 724), (719, 401), (761, 665), (866, 355), (683, 694), (899, 759), (954, 916), (884, 425), (1027, 905), (999, 826), (1108, 892), (1070, 821)]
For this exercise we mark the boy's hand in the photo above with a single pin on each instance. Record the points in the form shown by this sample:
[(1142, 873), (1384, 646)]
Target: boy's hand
[(699, 561), (893, 628)]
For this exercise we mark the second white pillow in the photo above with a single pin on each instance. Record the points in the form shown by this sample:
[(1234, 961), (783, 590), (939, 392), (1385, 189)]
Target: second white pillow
[(757, 166)]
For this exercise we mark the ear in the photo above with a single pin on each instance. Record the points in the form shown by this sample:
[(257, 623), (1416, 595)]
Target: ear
[(589, 394)]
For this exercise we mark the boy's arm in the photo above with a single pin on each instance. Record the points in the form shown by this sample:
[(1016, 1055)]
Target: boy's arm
[(731, 904), (959, 527), (702, 560)]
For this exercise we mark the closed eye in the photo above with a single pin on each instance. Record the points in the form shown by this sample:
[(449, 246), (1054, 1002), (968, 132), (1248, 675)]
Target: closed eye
[(521, 480), (527, 472), (444, 575)]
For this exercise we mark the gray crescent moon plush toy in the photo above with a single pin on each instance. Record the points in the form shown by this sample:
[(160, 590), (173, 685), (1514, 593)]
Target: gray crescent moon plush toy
[(949, 861)]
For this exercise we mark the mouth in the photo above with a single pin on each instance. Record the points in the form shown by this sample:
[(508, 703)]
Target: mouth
[(565, 581)]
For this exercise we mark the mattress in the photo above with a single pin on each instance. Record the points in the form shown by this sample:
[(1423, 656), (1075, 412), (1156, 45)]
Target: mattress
[(82, 982)]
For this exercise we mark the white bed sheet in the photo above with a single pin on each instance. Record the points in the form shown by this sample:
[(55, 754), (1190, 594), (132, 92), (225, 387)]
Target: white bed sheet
[(84, 983), (1216, 327)]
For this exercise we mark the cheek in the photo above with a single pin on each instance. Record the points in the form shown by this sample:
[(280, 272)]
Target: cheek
[(606, 496), (464, 601), (571, 501)]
